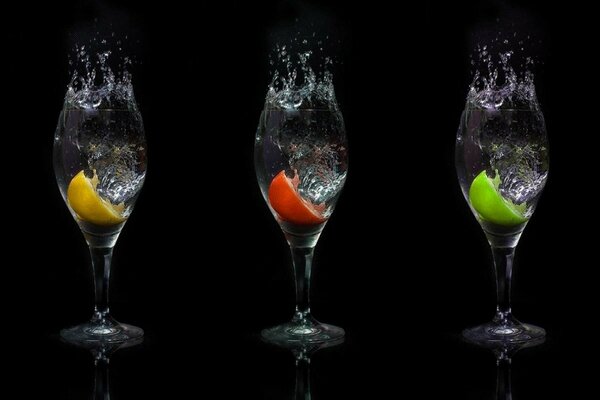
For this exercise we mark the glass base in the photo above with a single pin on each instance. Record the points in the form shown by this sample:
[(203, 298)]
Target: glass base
[(302, 330), (105, 331), (507, 331)]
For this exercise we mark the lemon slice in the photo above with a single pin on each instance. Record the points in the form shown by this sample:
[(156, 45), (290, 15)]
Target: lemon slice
[(491, 206), (87, 203)]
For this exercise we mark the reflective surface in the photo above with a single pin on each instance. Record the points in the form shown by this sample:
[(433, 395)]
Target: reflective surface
[(260, 371), (102, 352)]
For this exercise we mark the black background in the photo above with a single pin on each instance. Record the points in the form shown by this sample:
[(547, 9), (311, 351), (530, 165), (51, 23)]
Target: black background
[(202, 266)]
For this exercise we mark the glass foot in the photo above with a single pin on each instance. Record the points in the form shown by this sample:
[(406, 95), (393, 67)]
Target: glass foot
[(107, 331), (511, 331), (302, 330)]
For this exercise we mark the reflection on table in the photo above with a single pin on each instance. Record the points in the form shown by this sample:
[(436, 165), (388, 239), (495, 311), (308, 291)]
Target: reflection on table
[(504, 352), (302, 353), (102, 351)]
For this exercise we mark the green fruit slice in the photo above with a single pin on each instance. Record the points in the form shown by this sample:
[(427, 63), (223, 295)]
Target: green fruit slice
[(486, 199)]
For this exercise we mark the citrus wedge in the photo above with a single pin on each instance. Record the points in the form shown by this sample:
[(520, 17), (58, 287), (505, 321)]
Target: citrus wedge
[(87, 203), (486, 199), (289, 205)]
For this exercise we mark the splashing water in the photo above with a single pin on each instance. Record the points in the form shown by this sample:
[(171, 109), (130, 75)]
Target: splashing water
[(502, 87), (94, 85), (302, 109), (295, 85), (511, 126), (100, 106)]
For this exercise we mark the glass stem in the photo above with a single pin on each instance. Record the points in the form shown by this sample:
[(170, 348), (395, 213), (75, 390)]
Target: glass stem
[(503, 263), (101, 260), (302, 257)]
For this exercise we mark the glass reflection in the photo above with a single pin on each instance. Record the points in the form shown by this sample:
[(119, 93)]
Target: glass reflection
[(504, 352), (303, 352), (102, 351)]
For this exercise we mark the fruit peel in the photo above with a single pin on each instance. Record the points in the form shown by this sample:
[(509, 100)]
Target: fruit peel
[(490, 205), (87, 204), (289, 204)]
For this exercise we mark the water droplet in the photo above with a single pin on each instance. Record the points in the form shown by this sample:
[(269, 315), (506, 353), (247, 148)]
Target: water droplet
[(500, 86), (295, 84)]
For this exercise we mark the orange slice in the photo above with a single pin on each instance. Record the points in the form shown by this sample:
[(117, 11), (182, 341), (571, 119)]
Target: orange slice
[(289, 205)]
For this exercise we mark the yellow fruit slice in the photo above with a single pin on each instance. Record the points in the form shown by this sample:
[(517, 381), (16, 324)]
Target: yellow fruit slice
[(490, 205), (87, 203)]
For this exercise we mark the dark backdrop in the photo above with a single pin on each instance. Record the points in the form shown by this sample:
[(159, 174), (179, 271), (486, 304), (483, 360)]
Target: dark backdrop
[(202, 266)]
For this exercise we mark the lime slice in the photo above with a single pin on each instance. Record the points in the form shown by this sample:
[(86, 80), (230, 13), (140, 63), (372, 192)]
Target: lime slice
[(491, 206)]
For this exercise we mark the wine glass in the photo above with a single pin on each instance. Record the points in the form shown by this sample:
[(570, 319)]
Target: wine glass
[(301, 160), (502, 166), (100, 166)]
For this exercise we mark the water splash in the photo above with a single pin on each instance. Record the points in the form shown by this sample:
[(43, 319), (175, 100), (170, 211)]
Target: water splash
[(295, 84), (496, 84), (100, 106), (506, 113), (302, 109), (94, 84)]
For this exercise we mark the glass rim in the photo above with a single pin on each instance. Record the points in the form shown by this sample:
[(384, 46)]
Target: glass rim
[(503, 109), (296, 109), (97, 109)]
